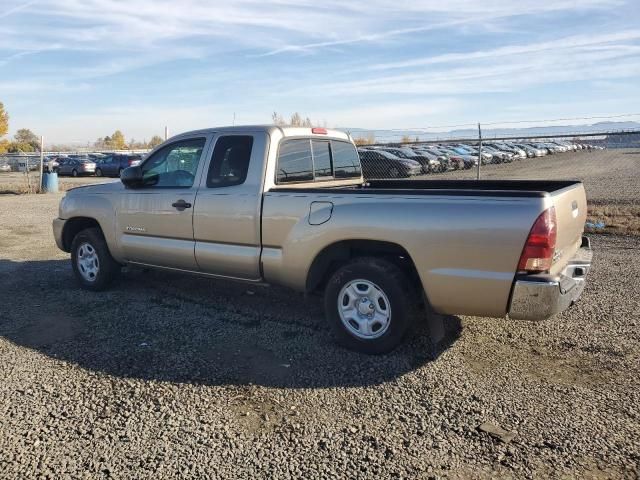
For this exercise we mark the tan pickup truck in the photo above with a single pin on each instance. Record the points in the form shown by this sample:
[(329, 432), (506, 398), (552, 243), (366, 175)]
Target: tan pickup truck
[(289, 206)]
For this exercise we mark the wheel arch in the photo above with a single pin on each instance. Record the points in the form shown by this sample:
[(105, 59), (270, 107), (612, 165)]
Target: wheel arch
[(333, 256), (75, 225)]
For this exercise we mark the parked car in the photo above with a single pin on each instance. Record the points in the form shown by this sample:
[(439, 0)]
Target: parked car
[(487, 157), (498, 155), (5, 168), (437, 162), (428, 164), (382, 164), (455, 162), (112, 165), (469, 161), (289, 206), (531, 150), (503, 147), (76, 167)]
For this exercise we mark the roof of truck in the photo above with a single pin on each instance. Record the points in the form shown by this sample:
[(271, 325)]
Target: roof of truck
[(286, 131)]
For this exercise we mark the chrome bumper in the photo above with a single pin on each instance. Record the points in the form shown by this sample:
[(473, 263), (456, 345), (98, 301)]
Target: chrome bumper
[(538, 297), (58, 225)]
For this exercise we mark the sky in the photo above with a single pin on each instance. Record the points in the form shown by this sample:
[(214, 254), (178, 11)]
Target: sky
[(76, 70)]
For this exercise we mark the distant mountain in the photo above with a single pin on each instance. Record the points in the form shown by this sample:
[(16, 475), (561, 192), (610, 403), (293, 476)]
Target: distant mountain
[(382, 136)]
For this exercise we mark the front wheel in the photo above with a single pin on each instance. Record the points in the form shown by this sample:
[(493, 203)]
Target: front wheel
[(369, 305), (93, 265), (74, 173), (98, 172)]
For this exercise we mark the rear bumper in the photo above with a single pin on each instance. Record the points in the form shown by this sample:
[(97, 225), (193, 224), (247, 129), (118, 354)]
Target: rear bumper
[(538, 297)]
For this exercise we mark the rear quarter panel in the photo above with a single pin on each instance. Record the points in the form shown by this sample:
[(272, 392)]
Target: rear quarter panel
[(465, 248)]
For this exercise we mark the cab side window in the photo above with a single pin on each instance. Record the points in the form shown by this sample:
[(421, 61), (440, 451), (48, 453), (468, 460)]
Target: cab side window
[(175, 165), (230, 161)]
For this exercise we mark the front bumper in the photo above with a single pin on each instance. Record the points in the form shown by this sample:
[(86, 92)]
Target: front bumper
[(538, 297), (58, 226)]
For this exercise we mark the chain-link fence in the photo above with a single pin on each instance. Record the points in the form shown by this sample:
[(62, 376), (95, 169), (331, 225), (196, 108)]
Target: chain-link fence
[(478, 157), (607, 164)]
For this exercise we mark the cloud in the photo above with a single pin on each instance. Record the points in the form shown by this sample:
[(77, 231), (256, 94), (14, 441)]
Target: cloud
[(370, 63), (503, 69), (15, 9)]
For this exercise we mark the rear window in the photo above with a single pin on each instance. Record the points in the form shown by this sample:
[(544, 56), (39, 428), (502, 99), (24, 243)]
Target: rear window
[(321, 158), (346, 163), (305, 160), (295, 162)]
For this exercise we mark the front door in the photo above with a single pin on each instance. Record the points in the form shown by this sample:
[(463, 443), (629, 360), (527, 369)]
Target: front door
[(155, 221)]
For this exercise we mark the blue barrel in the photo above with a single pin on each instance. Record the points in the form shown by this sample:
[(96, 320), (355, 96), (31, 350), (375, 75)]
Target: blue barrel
[(50, 182)]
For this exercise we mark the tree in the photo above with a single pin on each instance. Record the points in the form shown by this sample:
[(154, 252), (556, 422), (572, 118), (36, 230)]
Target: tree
[(26, 136), (16, 147), (4, 121), (405, 139), (118, 141), (277, 119), (155, 141), (296, 120)]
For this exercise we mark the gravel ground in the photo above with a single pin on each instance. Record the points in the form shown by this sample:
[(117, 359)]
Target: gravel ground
[(169, 375)]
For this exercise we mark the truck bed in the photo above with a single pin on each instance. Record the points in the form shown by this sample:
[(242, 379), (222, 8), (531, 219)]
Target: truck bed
[(492, 188), (464, 236)]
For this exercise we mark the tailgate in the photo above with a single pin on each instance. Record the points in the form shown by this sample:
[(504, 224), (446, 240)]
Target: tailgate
[(571, 214)]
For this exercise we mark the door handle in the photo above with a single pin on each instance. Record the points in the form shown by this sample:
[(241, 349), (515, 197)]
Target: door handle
[(181, 205)]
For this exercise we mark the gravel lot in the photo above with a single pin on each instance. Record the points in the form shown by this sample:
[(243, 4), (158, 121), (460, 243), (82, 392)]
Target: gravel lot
[(169, 375)]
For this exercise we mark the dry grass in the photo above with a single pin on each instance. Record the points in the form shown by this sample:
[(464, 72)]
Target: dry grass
[(24, 188), (623, 219)]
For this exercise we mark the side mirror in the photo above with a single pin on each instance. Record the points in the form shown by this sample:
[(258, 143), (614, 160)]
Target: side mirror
[(131, 177)]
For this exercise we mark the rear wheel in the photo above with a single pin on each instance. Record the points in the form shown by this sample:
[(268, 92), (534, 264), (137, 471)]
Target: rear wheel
[(74, 173), (120, 171), (92, 263), (369, 305)]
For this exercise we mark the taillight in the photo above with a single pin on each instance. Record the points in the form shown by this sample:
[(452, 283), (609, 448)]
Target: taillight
[(537, 255)]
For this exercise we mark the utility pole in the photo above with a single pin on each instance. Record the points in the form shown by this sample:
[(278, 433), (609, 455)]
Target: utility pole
[(166, 132), (234, 119), (41, 163), (479, 151)]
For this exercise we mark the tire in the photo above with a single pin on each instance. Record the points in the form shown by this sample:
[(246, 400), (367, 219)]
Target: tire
[(91, 245), (120, 172), (74, 173), (98, 172), (378, 275), (394, 172)]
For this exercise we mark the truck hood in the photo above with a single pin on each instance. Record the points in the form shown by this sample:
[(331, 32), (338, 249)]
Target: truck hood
[(98, 188)]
